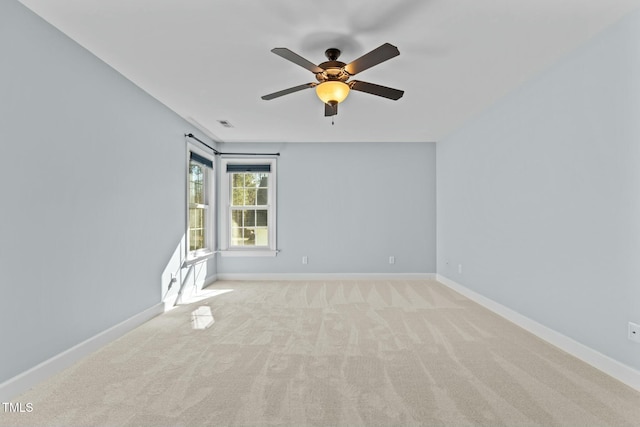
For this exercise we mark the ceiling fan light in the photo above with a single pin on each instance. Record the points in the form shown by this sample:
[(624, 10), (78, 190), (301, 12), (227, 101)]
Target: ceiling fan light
[(332, 91)]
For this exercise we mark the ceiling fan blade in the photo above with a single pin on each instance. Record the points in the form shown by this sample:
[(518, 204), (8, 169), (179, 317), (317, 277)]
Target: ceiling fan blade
[(375, 57), (288, 91), (330, 110), (386, 92), (297, 59)]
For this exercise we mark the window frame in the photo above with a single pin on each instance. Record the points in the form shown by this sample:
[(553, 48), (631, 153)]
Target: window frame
[(226, 248), (210, 206)]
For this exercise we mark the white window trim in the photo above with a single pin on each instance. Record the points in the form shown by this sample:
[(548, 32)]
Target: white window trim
[(208, 252), (225, 210)]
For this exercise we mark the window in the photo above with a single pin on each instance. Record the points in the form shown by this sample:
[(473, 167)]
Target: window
[(249, 209), (200, 218), (248, 222)]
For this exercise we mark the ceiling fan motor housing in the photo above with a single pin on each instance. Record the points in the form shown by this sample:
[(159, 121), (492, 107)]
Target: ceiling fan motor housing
[(333, 70)]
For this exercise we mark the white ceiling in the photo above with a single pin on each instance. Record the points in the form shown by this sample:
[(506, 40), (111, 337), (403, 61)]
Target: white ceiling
[(210, 60)]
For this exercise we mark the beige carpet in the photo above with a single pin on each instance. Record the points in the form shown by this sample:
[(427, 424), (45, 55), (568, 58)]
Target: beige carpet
[(352, 353)]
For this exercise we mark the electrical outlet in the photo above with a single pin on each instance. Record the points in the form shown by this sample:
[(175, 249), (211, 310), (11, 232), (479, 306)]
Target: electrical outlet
[(634, 332), (305, 259), (392, 260)]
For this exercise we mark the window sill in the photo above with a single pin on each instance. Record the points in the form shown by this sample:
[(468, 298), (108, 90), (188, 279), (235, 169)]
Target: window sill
[(197, 258), (248, 253)]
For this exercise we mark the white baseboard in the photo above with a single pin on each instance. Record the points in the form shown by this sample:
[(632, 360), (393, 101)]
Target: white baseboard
[(326, 276), (606, 364), (24, 381)]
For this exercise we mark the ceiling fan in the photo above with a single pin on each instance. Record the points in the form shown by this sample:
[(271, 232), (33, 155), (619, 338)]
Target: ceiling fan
[(333, 76)]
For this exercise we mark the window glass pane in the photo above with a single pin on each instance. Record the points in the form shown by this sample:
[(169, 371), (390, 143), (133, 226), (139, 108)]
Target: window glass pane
[(238, 197), (249, 237), (196, 183), (250, 195), (237, 180), (262, 198), (262, 237), (264, 180), (236, 218), (198, 193), (196, 239), (250, 180), (196, 172), (261, 218), (249, 218), (196, 218), (196, 228), (236, 236)]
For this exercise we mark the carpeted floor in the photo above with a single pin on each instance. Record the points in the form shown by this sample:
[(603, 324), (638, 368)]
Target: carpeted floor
[(351, 353)]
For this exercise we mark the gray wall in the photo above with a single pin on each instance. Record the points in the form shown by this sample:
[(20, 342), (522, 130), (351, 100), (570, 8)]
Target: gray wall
[(539, 197), (348, 207), (92, 175)]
